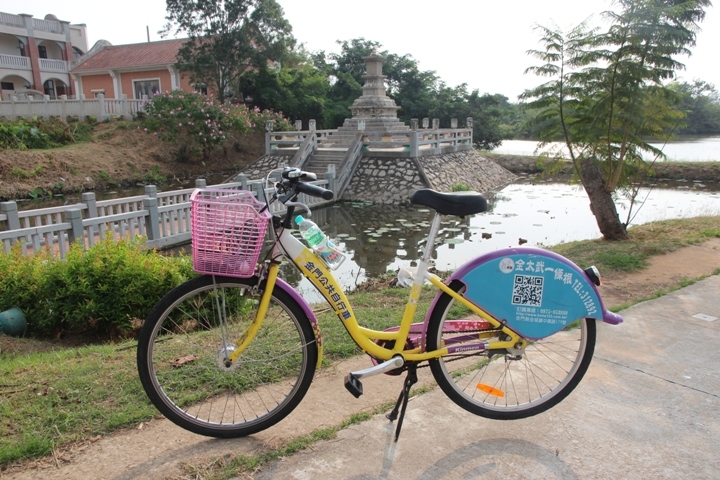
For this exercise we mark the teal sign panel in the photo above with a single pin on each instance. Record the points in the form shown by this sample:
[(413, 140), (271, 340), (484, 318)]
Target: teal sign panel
[(537, 294)]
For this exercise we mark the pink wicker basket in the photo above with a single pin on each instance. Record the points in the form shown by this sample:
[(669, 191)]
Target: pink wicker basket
[(227, 231)]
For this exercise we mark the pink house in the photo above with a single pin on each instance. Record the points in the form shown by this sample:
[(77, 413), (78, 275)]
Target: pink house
[(133, 70)]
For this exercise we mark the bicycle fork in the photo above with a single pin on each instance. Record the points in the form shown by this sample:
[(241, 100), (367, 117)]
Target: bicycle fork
[(252, 330)]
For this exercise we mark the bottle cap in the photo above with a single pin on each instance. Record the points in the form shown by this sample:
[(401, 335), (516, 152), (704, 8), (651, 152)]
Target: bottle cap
[(299, 219)]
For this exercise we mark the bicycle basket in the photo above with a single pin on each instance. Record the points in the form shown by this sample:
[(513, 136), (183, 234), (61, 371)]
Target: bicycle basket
[(227, 231)]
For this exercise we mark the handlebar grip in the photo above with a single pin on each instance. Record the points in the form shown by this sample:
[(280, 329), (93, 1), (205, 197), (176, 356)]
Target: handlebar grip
[(315, 191)]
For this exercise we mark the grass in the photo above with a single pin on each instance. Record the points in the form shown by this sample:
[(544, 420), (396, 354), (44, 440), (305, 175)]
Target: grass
[(59, 397), (645, 241), (50, 400)]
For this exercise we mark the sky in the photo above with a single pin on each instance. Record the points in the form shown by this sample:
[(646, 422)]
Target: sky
[(477, 42)]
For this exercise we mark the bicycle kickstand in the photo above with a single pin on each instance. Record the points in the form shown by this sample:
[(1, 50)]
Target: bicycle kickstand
[(402, 400)]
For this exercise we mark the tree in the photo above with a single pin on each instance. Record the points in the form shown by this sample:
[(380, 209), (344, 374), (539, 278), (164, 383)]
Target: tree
[(701, 104), (299, 92), (227, 38), (606, 94)]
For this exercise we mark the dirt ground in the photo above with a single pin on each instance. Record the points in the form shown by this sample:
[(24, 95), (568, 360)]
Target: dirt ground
[(159, 449), (119, 155)]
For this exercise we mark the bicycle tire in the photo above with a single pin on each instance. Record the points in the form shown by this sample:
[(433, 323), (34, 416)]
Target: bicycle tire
[(181, 351), (504, 385)]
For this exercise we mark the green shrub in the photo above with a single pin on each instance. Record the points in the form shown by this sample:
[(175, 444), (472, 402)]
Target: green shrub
[(22, 135), (460, 187), (106, 289), (42, 134)]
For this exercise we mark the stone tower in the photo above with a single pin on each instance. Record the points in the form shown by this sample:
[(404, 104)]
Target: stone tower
[(374, 112), (374, 102)]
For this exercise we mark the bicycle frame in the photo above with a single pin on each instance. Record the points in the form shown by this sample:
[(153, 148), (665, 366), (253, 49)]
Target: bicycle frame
[(315, 270)]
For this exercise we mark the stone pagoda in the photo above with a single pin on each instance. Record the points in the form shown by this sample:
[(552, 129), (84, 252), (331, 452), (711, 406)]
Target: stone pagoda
[(374, 112)]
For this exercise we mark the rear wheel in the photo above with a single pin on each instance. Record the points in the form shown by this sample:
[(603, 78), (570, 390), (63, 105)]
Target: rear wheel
[(507, 385), (184, 343)]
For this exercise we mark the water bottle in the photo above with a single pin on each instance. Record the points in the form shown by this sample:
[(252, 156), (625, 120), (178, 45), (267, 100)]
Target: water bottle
[(319, 242)]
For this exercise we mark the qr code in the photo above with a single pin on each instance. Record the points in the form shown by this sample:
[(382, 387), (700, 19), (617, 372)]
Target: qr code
[(527, 290)]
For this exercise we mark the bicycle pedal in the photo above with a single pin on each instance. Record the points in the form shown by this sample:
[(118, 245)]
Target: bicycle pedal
[(353, 385)]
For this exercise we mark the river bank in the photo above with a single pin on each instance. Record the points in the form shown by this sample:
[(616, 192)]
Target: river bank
[(690, 171), (119, 156)]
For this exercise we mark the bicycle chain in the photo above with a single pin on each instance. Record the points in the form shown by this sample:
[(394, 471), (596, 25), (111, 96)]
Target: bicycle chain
[(425, 363)]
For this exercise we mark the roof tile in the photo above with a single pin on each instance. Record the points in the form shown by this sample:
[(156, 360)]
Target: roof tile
[(135, 55)]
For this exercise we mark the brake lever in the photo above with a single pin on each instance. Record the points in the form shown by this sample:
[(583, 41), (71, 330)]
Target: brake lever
[(299, 205), (292, 193)]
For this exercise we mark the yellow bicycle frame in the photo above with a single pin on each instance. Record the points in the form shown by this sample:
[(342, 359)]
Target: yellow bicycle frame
[(315, 270)]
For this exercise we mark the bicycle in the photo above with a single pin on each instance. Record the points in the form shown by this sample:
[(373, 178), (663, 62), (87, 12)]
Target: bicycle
[(508, 335)]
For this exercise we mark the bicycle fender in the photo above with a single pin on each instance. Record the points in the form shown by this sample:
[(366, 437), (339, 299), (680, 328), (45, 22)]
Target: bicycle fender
[(281, 284), (536, 292)]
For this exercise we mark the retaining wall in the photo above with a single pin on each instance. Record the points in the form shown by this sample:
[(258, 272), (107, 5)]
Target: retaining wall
[(385, 180)]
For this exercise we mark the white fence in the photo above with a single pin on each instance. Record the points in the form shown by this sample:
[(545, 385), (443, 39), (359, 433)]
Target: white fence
[(101, 108), (413, 143), (162, 217)]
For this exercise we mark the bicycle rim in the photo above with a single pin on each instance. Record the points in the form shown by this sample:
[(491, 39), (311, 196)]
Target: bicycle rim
[(184, 343), (510, 385)]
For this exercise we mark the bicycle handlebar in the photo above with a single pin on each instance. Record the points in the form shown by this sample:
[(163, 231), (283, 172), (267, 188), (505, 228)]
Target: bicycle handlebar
[(295, 179), (315, 191)]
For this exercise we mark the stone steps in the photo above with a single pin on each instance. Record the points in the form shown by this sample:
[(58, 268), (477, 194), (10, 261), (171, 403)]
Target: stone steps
[(320, 160)]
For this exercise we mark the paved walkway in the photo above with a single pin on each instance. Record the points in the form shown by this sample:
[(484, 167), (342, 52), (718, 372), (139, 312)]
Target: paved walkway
[(647, 408)]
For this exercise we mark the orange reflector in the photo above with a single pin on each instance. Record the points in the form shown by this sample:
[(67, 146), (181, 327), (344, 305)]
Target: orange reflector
[(490, 390)]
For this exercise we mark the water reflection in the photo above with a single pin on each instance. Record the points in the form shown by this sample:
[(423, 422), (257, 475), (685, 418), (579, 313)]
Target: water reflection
[(378, 238)]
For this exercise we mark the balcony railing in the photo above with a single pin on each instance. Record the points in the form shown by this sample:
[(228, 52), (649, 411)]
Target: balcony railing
[(47, 25), (15, 61), (54, 65), (10, 19), (38, 24)]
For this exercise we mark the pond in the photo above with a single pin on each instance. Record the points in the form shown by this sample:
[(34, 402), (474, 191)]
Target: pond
[(683, 149), (379, 238)]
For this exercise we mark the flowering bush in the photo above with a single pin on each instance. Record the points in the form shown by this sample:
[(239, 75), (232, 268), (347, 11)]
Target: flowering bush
[(244, 118), (281, 124), (196, 122)]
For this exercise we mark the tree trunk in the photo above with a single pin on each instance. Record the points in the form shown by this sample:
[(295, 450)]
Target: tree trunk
[(601, 201)]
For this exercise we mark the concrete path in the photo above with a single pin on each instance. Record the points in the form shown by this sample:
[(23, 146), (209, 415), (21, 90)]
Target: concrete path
[(647, 408)]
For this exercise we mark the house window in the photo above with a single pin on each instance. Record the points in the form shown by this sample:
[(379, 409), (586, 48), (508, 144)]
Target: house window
[(42, 51), (146, 87), (8, 86), (49, 87), (97, 93), (21, 46), (201, 88)]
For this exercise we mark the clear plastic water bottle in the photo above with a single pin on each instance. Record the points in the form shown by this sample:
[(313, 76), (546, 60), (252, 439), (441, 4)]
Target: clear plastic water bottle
[(319, 242)]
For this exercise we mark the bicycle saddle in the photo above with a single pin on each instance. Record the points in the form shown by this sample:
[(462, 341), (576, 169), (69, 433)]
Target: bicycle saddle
[(456, 203)]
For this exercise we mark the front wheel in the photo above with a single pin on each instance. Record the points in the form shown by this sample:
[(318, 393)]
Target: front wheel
[(507, 385), (184, 343)]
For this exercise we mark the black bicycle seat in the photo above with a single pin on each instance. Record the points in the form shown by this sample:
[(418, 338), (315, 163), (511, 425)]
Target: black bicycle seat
[(456, 203)]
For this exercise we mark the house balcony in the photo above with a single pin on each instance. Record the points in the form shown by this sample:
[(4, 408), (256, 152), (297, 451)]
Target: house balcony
[(51, 65), (23, 63), (15, 62), (17, 21)]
